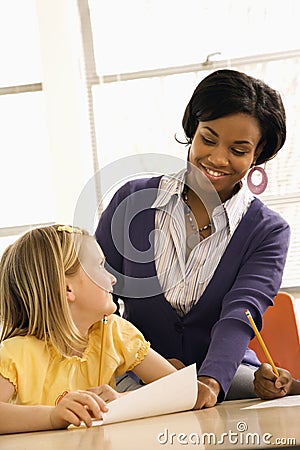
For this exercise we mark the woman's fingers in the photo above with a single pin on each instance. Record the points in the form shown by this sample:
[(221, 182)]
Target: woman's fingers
[(267, 385), (176, 363), (207, 397)]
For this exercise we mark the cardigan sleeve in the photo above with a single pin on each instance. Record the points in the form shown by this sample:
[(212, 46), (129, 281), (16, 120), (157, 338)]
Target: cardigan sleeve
[(258, 281)]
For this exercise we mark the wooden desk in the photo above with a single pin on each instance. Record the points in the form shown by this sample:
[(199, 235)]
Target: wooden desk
[(201, 430)]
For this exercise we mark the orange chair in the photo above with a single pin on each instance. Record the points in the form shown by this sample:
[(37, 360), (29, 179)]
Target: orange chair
[(281, 335)]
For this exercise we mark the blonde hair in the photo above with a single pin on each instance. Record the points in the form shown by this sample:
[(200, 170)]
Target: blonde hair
[(33, 297)]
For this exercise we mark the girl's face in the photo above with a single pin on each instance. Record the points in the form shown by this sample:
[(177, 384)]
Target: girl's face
[(224, 150), (92, 286), (92, 261)]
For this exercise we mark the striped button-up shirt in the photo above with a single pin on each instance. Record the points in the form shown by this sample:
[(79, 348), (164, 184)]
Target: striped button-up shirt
[(185, 273)]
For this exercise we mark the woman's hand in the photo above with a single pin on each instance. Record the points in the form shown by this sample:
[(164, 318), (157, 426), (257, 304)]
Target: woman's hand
[(208, 388), (106, 392), (176, 363), (208, 391), (76, 407), (267, 385)]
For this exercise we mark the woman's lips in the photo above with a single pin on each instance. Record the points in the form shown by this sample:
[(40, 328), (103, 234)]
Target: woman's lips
[(213, 173)]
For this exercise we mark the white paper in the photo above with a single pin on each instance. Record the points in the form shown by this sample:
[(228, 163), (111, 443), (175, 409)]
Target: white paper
[(289, 400), (172, 393)]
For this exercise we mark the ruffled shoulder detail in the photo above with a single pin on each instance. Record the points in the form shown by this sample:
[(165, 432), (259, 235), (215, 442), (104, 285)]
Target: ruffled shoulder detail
[(140, 355), (8, 369)]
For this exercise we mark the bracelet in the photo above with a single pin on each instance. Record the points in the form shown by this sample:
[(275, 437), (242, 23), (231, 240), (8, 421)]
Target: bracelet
[(60, 397)]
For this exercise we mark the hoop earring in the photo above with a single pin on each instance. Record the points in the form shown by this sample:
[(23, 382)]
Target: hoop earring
[(257, 188)]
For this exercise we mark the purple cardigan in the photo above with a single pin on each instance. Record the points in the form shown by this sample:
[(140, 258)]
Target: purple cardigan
[(215, 333)]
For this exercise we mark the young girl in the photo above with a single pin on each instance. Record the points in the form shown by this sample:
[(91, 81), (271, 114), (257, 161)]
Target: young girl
[(54, 293)]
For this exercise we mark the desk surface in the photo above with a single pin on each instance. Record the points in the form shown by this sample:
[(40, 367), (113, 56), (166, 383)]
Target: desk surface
[(226, 426)]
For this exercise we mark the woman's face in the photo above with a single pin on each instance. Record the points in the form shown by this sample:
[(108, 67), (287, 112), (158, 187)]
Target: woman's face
[(224, 150)]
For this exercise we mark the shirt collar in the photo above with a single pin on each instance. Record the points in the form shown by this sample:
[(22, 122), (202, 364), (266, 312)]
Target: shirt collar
[(237, 206), (234, 208), (172, 184)]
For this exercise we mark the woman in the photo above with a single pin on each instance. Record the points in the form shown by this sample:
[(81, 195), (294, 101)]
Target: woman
[(217, 250)]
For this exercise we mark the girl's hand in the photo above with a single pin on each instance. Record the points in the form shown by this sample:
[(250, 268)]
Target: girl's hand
[(208, 391), (75, 407), (267, 385), (106, 392)]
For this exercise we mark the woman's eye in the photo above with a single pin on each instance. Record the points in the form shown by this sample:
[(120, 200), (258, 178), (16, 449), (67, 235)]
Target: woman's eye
[(238, 152), (207, 141)]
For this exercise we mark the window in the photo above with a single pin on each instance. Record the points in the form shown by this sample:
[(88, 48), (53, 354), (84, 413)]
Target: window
[(45, 129), (25, 182), (150, 55), (113, 81)]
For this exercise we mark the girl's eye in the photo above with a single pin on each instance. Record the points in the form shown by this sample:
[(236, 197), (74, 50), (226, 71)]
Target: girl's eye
[(207, 141)]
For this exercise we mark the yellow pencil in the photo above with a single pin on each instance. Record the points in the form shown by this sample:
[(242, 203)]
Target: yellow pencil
[(260, 340), (103, 339)]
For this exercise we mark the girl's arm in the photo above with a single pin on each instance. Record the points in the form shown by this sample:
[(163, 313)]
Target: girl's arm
[(75, 407), (153, 367)]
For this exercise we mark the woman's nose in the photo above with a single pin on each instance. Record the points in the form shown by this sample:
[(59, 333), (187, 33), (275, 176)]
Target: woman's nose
[(218, 156)]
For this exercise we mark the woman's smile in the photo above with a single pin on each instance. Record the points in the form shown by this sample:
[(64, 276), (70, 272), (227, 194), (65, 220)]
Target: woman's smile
[(213, 174)]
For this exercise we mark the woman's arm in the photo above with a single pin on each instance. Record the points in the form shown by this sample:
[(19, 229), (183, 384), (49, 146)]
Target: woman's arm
[(256, 284), (75, 407)]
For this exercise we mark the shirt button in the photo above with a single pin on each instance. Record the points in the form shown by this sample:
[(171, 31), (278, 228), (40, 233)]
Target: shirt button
[(179, 327)]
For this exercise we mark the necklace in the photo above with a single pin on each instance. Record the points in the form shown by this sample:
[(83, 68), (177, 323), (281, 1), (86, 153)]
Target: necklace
[(187, 210)]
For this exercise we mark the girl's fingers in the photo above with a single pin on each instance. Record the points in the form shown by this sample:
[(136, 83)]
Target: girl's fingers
[(97, 390), (83, 412), (83, 406), (72, 419), (105, 392), (95, 403)]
